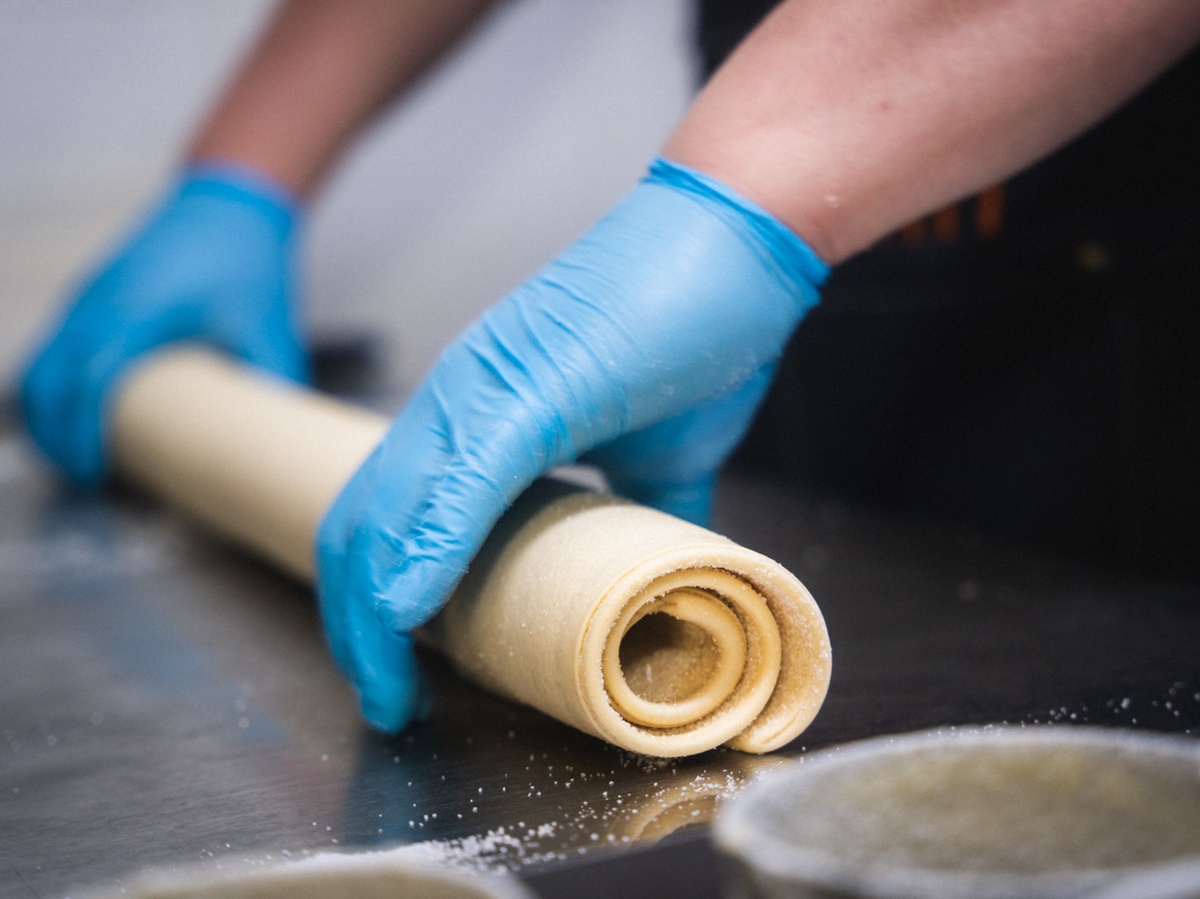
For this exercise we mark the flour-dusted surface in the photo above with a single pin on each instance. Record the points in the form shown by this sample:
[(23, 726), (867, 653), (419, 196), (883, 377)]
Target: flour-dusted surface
[(167, 701)]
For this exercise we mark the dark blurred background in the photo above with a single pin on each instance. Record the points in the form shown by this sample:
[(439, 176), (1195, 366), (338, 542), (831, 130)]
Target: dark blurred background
[(1025, 363)]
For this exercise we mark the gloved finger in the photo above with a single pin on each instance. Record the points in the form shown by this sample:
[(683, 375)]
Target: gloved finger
[(44, 394), (332, 540), (87, 402), (378, 662), (275, 351), (50, 370), (392, 693), (257, 320), (428, 503), (672, 465), (65, 389)]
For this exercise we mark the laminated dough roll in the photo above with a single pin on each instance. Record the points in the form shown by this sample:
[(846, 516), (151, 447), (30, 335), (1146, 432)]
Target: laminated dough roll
[(647, 631)]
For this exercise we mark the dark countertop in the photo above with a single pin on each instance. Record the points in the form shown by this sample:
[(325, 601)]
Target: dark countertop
[(165, 700)]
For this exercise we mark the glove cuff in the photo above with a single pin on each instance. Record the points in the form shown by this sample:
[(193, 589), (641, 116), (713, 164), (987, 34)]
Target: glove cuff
[(245, 185), (784, 250)]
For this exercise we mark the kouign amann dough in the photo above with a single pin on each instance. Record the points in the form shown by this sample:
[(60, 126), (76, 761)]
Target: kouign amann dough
[(647, 631)]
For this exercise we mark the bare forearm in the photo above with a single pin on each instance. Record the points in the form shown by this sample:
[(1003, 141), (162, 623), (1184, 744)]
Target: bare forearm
[(850, 119), (320, 71)]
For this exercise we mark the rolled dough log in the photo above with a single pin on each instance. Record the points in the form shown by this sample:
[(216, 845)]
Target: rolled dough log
[(647, 631)]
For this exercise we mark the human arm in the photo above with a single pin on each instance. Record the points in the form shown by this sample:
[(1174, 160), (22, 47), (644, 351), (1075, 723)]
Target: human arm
[(215, 260), (320, 72), (849, 120), (646, 345)]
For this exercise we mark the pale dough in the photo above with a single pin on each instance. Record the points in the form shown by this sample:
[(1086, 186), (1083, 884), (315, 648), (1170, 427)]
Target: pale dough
[(654, 634)]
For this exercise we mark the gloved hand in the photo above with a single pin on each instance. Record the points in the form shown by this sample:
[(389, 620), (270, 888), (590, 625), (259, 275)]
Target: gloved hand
[(647, 344), (214, 262)]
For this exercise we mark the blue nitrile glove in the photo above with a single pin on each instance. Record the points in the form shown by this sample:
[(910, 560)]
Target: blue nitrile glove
[(647, 345), (213, 262)]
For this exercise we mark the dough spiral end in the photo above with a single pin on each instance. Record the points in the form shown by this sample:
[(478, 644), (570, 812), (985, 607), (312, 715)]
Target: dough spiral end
[(654, 634)]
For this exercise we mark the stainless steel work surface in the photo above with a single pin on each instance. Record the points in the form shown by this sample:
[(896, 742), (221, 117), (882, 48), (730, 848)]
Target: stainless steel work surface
[(167, 701)]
